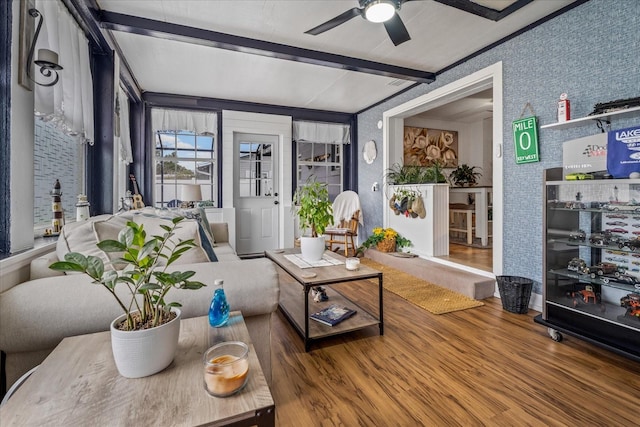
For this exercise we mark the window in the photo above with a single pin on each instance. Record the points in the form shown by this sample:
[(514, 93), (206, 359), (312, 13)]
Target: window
[(61, 134), (320, 153), (323, 162), (183, 157), (56, 156)]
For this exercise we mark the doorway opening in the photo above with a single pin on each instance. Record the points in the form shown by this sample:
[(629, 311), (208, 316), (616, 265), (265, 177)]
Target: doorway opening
[(480, 130)]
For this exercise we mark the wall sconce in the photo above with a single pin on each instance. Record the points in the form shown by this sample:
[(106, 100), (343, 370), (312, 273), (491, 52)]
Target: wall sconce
[(47, 59)]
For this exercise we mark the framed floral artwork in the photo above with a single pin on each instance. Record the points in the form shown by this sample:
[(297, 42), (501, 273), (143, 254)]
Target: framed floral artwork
[(424, 147)]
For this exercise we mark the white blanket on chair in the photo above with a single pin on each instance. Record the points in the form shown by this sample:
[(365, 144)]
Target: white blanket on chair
[(345, 206)]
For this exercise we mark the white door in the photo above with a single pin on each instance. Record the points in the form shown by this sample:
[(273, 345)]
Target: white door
[(256, 192)]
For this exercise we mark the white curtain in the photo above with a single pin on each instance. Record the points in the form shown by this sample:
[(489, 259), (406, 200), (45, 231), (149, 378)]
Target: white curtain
[(124, 137), (68, 104), (202, 123), (325, 133)]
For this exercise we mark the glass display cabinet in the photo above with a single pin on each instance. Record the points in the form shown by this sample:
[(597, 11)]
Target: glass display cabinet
[(591, 280)]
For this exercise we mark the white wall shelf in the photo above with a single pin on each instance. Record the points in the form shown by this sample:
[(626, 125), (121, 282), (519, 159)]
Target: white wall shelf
[(583, 120)]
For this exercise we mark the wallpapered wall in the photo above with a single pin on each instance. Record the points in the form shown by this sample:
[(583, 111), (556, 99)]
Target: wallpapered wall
[(591, 53)]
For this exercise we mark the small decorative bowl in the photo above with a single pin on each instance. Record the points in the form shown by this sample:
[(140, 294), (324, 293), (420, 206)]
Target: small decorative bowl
[(226, 368)]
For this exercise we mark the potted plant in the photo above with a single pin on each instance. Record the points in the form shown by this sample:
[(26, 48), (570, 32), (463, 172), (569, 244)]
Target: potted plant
[(465, 174), (315, 211), (145, 338), (385, 240), (399, 174)]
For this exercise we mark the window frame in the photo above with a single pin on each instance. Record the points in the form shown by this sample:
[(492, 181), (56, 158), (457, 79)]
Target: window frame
[(326, 159), (212, 161)]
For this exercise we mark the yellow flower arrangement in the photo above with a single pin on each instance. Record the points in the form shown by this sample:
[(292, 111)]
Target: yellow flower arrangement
[(386, 235)]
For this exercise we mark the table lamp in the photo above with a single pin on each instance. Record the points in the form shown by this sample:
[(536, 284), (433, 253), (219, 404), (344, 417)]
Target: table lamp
[(191, 193)]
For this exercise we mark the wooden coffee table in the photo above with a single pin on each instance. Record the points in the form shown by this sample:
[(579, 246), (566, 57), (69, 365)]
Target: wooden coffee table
[(294, 297), (78, 384)]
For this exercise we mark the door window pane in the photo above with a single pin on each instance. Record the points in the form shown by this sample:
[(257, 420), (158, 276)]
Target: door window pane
[(255, 170)]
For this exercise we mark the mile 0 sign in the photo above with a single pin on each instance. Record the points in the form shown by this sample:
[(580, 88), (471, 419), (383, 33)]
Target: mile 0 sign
[(525, 136)]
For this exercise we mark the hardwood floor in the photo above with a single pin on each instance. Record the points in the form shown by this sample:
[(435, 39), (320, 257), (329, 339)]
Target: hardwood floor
[(481, 259), (483, 366)]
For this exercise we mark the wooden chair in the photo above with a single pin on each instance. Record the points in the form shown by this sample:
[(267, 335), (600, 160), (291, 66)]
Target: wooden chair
[(344, 234)]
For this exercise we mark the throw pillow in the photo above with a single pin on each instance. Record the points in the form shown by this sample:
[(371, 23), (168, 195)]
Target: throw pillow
[(199, 215), (108, 229), (79, 237)]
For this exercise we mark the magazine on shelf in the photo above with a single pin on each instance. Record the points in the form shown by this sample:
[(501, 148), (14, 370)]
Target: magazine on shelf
[(333, 314)]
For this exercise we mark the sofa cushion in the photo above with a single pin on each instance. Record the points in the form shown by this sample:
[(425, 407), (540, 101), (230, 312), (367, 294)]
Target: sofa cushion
[(224, 252), (38, 314)]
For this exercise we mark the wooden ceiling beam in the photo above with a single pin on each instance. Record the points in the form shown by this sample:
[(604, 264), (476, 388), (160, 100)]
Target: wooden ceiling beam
[(169, 31)]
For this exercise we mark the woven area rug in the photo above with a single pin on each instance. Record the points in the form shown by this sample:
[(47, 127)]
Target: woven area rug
[(433, 298)]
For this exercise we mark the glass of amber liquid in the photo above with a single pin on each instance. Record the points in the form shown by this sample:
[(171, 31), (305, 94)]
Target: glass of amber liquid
[(226, 368)]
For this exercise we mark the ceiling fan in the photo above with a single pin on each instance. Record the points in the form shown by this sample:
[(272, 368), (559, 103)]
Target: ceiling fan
[(385, 11)]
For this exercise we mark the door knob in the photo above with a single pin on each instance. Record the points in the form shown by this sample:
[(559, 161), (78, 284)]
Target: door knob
[(275, 202), (275, 194)]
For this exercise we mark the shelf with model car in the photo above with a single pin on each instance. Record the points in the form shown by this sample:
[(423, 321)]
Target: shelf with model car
[(586, 300), (582, 120), (591, 285), (616, 244)]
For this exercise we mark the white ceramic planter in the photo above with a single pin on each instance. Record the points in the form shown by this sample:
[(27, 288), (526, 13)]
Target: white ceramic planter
[(312, 248), (146, 352)]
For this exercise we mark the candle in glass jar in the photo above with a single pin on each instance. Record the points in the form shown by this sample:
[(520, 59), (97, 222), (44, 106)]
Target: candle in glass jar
[(352, 263)]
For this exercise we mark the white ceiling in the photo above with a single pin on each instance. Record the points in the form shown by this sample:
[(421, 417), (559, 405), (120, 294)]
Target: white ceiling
[(440, 36)]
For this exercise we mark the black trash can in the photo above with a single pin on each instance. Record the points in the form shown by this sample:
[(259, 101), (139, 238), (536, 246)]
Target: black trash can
[(515, 293)]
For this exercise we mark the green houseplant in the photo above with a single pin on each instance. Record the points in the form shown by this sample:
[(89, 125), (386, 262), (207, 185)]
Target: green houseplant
[(399, 174), (315, 212), (465, 174), (147, 283)]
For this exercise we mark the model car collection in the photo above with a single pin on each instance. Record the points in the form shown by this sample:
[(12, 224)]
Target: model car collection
[(603, 268), (617, 230), (577, 264), (623, 278), (632, 302), (591, 260), (632, 206), (632, 244), (600, 238), (586, 295), (618, 207), (578, 235)]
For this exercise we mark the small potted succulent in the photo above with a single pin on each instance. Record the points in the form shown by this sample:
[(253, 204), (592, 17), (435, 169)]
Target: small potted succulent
[(315, 211), (145, 310), (465, 175)]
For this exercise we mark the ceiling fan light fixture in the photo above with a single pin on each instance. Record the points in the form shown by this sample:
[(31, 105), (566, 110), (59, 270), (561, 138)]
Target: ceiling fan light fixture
[(379, 10)]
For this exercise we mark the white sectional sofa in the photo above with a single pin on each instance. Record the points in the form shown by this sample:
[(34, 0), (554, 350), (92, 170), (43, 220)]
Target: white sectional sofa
[(36, 315)]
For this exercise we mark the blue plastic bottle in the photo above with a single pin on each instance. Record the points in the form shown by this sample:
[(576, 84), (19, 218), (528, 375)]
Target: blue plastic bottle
[(219, 309)]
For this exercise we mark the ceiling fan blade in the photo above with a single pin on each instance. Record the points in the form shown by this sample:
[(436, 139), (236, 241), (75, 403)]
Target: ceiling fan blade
[(338, 20), (396, 30)]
